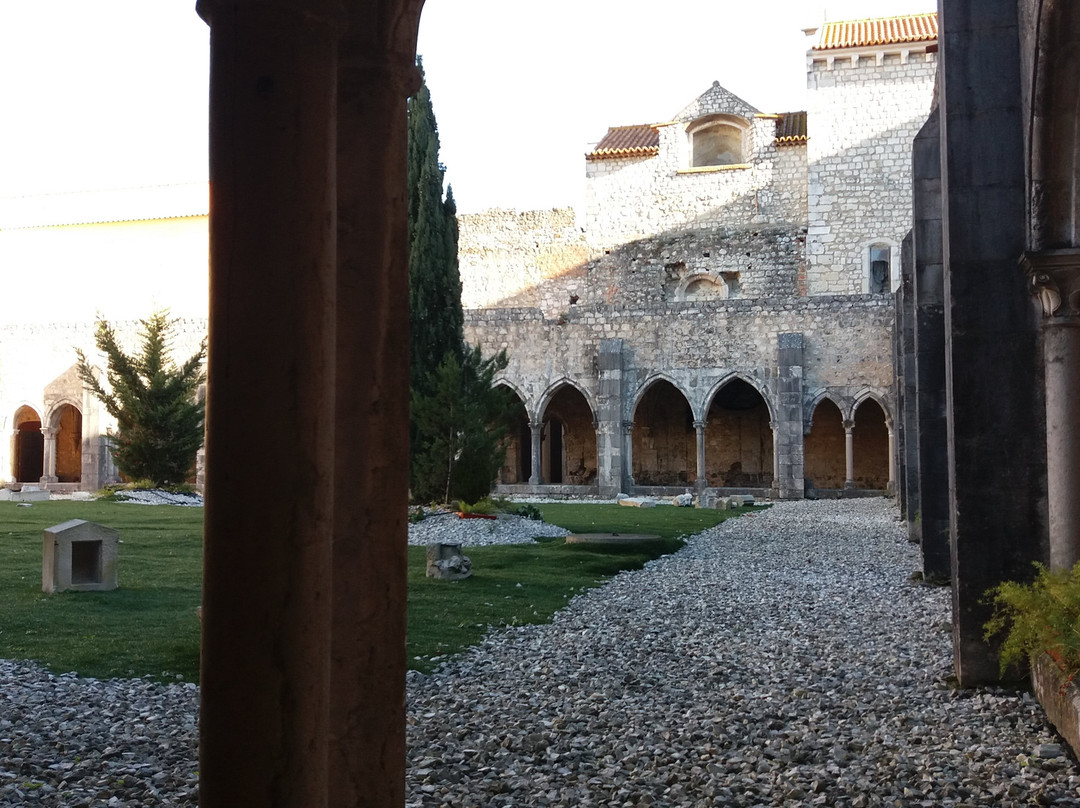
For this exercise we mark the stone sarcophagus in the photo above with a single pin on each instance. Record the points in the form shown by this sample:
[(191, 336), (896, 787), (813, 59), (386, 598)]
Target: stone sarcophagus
[(79, 556)]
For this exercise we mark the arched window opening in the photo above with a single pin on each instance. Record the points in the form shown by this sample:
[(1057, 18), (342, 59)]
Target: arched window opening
[(28, 459), (870, 438), (664, 440), (738, 438), (717, 145), (879, 263), (824, 449), (705, 289), (568, 454)]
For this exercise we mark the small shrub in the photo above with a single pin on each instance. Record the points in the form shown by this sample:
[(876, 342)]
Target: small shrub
[(483, 506), (529, 511), (1043, 616)]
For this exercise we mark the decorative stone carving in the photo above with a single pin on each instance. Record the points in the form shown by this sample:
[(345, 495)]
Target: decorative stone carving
[(445, 562), (1054, 280)]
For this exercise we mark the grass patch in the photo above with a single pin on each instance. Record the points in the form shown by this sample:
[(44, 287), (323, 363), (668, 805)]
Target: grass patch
[(146, 627)]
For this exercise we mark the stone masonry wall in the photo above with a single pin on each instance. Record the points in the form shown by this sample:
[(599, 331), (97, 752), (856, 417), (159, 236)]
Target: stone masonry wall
[(696, 346), (863, 118)]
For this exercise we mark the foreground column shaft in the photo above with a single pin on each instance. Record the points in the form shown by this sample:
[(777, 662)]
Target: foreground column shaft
[(266, 596), (367, 727)]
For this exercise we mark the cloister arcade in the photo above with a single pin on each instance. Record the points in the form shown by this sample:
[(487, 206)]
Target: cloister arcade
[(50, 450), (725, 443)]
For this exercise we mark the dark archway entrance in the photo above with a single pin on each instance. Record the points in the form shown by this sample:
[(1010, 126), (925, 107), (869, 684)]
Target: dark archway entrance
[(518, 464), (68, 444), (871, 447), (738, 438), (28, 461), (568, 455), (664, 442), (824, 451)]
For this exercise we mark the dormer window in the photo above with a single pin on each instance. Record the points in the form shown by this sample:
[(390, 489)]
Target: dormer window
[(717, 140)]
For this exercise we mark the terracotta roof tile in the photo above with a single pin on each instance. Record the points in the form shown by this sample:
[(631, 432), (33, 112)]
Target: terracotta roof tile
[(642, 140), (886, 31), (791, 128)]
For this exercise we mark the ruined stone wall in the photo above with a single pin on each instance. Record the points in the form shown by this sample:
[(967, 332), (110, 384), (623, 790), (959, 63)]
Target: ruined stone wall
[(634, 197), (505, 254), (864, 111), (727, 262), (696, 345)]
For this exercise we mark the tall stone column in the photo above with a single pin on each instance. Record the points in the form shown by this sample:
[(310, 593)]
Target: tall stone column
[(536, 431), (48, 466), (701, 482), (609, 443), (367, 695), (775, 429), (849, 454), (1054, 278), (788, 441), (267, 583), (891, 488), (628, 453)]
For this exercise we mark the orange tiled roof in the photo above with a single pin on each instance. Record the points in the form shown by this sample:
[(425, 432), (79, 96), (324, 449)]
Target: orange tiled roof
[(641, 140), (887, 31), (791, 128)]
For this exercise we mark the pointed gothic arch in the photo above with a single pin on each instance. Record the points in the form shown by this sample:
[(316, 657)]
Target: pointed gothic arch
[(738, 436), (664, 444), (568, 441), (824, 451)]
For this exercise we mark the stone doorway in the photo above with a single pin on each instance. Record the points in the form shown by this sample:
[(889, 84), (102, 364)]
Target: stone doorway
[(568, 454), (738, 438), (664, 439), (68, 422), (870, 438), (823, 448), (517, 466), (28, 459)]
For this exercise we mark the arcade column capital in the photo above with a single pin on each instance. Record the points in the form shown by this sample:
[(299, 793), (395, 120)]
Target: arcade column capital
[(1054, 280), (628, 427), (699, 424)]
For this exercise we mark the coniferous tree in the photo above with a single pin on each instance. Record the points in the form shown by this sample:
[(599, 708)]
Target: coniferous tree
[(159, 419), (435, 316), (457, 421)]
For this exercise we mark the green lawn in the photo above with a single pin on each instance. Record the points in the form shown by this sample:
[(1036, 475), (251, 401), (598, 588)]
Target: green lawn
[(148, 626)]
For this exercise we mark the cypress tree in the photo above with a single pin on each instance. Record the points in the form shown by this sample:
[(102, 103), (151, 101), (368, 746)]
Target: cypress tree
[(435, 316)]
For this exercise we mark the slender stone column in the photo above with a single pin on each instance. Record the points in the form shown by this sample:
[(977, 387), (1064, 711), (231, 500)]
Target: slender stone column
[(891, 488), (537, 431), (267, 593), (1054, 278), (775, 455), (48, 466), (701, 482), (849, 454), (628, 453)]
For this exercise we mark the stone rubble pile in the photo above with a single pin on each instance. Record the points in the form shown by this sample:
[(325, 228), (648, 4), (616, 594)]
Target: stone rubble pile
[(505, 529), (781, 659)]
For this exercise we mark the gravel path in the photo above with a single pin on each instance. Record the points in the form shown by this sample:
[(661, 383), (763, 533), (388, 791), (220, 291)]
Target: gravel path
[(780, 659)]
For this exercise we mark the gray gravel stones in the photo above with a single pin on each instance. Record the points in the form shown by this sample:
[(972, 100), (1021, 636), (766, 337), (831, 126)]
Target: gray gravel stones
[(783, 659), (505, 529), (68, 742)]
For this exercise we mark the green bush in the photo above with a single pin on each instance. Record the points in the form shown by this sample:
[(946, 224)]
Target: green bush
[(1042, 616)]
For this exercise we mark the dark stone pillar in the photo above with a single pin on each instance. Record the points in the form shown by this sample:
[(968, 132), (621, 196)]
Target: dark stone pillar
[(789, 417), (367, 697), (931, 433), (997, 441), (611, 474), (264, 715), (907, 415)]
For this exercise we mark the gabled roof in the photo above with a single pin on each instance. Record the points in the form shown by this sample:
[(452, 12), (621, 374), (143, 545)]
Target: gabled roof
[(791, 128), (885, 31), (641, 140)]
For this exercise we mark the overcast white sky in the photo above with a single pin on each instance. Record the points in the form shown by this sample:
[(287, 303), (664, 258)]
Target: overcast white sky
[(113, 93)]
